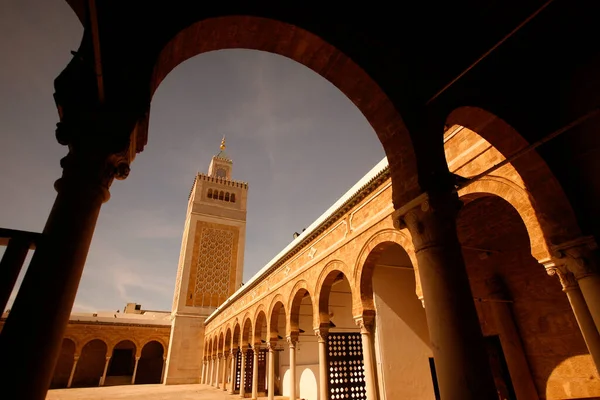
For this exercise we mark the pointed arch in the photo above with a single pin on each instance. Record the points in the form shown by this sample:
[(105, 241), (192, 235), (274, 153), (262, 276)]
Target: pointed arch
[(299, 291), (363, 271), (249, 32), (277, 305), (559, 223), (260, 319), (521, 201), (329, 275)]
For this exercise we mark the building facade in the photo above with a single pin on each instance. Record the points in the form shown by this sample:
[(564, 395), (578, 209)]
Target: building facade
[(341, 311), (210, 264), (112, 348)]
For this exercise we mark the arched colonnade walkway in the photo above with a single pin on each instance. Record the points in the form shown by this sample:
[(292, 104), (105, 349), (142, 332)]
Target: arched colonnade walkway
[(411, 93), (352, 293), (100, 361)]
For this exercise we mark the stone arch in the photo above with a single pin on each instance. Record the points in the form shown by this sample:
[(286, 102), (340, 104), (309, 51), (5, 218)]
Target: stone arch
[(91, 363), (115, 342), (156, 339), (83, 342), (236, 338), (151, 363), (323, 288), (520, 200), (215, 345), (64, 364), (555, 214), (221, 343), (260, 318), (277, 304), (247, 330), (123, 354), (299, 291), (363, 272), (227, 342), (298, 44), (76, 341)]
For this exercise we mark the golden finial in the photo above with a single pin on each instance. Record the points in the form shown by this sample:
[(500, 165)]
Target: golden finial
[(223, 143)]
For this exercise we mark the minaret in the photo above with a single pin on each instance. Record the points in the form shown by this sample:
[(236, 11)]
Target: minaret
[(210, 263)]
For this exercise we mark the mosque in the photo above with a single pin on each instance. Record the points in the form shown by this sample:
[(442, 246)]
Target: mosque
[(340, 312), (464, 266)]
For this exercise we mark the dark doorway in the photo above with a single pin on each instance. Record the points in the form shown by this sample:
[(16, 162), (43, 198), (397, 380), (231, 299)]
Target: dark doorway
[(121, 362), (150, 366), (504, 385)]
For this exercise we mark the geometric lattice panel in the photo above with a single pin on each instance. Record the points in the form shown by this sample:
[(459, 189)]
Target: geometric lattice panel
[(213, 267), (262, 370), (238, 370), (346, 369)]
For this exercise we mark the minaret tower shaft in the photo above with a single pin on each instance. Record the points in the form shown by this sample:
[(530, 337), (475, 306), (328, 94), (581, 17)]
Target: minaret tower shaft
[(210, 263)]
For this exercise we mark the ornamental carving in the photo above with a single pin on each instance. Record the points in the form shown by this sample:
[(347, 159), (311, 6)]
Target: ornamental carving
[(213, 266)]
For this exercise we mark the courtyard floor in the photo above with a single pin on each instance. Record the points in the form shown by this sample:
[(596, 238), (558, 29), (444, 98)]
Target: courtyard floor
[(145, 392)]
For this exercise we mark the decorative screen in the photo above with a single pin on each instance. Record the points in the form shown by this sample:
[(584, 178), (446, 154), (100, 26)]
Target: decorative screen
[(346, 370)]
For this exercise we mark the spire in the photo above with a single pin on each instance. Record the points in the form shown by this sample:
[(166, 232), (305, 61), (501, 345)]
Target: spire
[(223, 143)]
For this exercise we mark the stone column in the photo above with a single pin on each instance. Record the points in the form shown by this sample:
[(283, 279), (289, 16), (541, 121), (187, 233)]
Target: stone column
[(57, 264), (461, 360), (202, 374), (365, 323), (243, 373), (232, 378), (10, 266), (164, 368), (322, 334), (75, 359), (224, 377), (255, 349), (211, 382), (137, 360), (217, 371), (580, 310), (518, 367), (271, 371), (105, 369), (292, 340), (580, 257)]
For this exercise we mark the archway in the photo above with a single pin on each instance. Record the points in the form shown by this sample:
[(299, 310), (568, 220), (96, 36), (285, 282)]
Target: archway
[(486, 140), (301, 331), (64, 365), (277, 327), (150, 366), (260, 337), (247, 32), (405, 366), (227, 381), (345, 361), (248, 358), (527, 322), (91, 364), (122, 364)]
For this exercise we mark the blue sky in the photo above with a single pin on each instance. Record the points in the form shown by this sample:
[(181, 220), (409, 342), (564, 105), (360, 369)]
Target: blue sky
[(294, 137)]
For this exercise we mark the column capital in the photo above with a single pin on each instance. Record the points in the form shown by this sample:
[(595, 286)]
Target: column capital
[(567, 278), (321, 333), (365, 323), (577, 256), (424, 217), (233, 352), (137, 358), (292, 339), (108, 358), (271, 344), (76, 357)]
